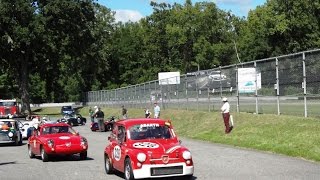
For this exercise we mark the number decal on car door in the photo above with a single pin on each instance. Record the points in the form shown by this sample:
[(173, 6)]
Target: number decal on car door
[(117, 153)]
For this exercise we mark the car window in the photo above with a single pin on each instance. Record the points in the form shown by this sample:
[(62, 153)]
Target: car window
[(150, 131), (121, 134), (57, 129)]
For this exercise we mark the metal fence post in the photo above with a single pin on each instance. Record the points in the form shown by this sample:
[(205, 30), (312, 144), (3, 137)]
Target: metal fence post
[(304, 85), (186, 86), (256, 82), (277, 86), (220, 82), (237, 85)]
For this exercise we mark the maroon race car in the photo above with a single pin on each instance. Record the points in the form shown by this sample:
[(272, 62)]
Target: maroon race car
[(108, 124), (56, 139)]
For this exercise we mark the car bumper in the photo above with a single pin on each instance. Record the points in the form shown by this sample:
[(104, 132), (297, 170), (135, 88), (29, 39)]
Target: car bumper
[(163, 170), (4, 138), (63, 149)]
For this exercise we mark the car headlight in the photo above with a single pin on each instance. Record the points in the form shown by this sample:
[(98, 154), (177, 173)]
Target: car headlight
[(10, 134), (84, 141), (186, 155), (50, 143), (141, 157)]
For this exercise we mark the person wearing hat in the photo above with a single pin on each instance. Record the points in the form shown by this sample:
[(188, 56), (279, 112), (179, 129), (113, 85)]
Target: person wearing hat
[(225, 111), (156, 110), (99, 115)]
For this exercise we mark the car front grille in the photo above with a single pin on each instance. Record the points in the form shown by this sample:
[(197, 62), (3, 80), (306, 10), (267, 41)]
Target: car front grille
[(166, 170), (4, 137), (7, 111)]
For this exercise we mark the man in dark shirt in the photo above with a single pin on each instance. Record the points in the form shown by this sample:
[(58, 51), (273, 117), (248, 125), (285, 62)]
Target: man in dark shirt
[(99, 115)]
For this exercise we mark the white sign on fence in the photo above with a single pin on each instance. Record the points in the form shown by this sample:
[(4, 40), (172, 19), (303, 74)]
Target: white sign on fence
[(247, 80), (166, 78)]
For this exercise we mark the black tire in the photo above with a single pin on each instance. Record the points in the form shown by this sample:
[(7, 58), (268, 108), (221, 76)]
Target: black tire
[(44, 155), (31, 155), (108, 165), (128, 173), (108, 127), (187, 177), (16, 141), (84, 155), (71, 123), (20, 142)]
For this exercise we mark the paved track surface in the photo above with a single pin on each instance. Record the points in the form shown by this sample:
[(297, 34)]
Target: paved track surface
[(211, 161)]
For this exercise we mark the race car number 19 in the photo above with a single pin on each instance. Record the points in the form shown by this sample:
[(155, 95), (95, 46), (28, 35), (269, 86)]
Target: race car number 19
[(117, 153)]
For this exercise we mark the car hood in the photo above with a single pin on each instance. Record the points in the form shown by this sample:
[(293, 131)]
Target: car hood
[(62, 138), (158, 147)]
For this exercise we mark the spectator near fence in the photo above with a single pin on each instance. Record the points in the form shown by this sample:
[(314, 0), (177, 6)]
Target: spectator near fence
[(99, 115), (124, 112), (225, 111), (156, 110), (147, 113)]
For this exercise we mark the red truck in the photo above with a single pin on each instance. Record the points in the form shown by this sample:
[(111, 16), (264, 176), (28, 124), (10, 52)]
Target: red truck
[(9, 107)]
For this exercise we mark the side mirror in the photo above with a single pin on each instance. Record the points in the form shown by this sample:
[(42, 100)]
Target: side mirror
[(180, 142), (109, 138)]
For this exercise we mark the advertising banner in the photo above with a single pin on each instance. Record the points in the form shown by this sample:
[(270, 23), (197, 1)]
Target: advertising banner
[(247, 78)]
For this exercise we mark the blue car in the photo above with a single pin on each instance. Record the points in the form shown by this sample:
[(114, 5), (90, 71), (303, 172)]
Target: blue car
[(67, 110)]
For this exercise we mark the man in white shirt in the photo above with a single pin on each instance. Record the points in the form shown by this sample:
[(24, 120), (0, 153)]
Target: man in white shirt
[(156, 111), (225, 111)]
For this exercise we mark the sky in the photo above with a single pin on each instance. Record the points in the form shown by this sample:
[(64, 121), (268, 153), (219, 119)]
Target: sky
[(134, 10)]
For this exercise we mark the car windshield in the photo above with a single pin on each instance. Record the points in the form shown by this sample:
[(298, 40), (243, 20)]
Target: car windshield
[(7, 103), (149, 131), (5, 125), (66, 108), (57, 129)]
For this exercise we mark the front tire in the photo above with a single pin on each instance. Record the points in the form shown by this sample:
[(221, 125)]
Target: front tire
[(108, 165), (84, 155), (108, 127), (128, 174), (17, 142), (31, 155), (44, 155)]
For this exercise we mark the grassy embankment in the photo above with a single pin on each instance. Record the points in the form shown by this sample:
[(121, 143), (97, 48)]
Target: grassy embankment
[(288, 135)]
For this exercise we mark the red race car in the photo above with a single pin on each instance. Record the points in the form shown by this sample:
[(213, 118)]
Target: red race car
[(56, 139), (147, 148)]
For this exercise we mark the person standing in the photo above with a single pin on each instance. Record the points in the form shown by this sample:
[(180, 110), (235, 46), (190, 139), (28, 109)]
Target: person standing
[(99, 115), (91, 115), (225, 111), (124, 112), (147, 113), (156, 110)]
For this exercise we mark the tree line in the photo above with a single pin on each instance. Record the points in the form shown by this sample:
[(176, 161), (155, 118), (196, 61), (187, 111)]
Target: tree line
[(54, 51)]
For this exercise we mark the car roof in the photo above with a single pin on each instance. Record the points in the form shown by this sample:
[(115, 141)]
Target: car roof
[(130, 122), (11, 120), (54, 124)]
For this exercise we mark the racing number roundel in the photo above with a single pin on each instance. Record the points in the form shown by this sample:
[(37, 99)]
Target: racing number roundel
[(117, 153)]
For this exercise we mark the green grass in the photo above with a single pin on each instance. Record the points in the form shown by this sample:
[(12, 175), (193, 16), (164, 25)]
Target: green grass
[(288, 135)]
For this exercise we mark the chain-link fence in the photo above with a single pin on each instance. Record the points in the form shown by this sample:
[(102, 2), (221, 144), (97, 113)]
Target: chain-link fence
[(282, 85)]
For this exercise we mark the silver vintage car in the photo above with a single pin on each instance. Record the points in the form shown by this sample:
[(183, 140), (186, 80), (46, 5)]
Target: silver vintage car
[(9, 132)]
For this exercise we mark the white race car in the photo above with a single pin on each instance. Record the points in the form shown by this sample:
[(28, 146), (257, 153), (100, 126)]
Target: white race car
[(24, 128)]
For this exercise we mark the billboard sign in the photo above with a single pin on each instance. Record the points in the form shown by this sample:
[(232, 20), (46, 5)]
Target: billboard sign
[(247, 78), (166, 78)]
